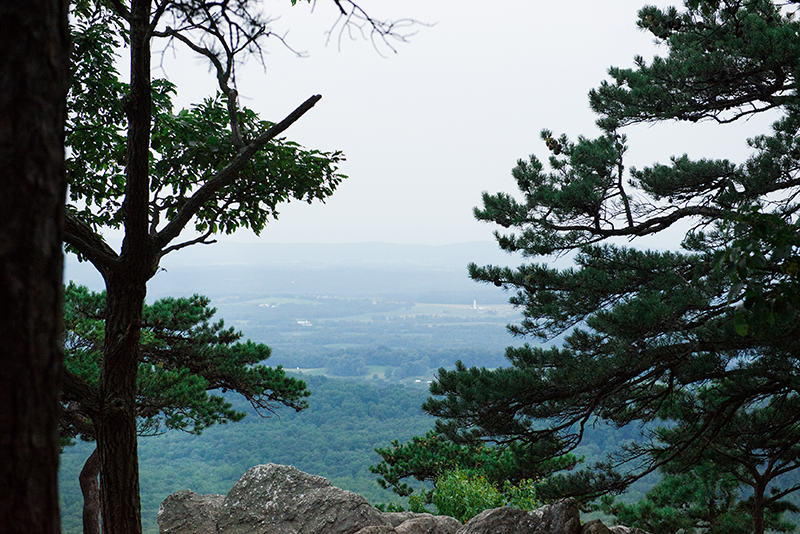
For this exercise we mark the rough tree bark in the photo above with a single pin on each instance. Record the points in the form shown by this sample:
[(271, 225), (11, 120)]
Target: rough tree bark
[(34, 68), (116, 429), (90, 489), (757, 506), (126, 287)]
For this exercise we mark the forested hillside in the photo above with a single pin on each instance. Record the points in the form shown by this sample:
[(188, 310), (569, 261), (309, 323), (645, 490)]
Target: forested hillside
[(335, 310), (387, 326), (334, 438)]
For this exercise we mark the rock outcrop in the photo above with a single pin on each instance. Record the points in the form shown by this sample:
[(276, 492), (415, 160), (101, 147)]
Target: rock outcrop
[(627, 530), (377, 530), (595, 527), (280, 499), (186, 512), (397, 518), (428, 524), (562, 517)]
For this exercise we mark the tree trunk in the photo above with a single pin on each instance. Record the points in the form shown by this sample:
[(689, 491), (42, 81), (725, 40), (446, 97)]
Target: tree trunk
[(34, 69), (116, 431), (758, 507), (90, 488), (126, 288)]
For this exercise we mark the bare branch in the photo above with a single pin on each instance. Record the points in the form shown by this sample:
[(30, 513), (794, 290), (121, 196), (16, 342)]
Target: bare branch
[(200, 240), (224, 71), (353, 19), (647, 227), (76, 389), (223, 75), (161, 8)]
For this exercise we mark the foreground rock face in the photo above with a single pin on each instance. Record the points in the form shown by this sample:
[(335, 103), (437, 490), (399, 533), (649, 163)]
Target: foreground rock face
[(562, 517), (595, 527), (280, 499), (627, 530), (428, 524), (186, 512)]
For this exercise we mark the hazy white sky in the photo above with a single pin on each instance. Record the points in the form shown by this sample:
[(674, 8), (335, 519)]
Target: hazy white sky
[(427, 129)]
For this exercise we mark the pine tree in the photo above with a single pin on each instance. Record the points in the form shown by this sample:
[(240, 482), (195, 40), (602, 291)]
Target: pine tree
[(645, 329), (182, 357), (705, 498), (428, 458)]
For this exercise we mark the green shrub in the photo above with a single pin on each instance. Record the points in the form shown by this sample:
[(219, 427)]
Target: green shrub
[(522, 496), (463, 495), (390, 507)]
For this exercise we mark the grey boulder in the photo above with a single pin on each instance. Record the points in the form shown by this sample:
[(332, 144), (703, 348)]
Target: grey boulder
[(429, 524), (563, 517), (627, 530), (377, 530), (280, 499), (186, 512), (398, 518), (595, 527)]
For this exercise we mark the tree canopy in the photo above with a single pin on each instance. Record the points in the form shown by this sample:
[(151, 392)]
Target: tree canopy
[(136, 165), (187, 149), (183, 356), (703, 496), (701, 339), (431, 457)]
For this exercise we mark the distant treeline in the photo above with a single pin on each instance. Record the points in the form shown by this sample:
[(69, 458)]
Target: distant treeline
[(398, 364), (346, 336)]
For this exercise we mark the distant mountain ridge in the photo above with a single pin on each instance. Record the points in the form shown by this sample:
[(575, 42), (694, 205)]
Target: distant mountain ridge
[(346, 269), (372, 254)]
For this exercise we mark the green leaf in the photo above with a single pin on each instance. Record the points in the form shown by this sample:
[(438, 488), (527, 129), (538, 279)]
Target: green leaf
[(740, 324)]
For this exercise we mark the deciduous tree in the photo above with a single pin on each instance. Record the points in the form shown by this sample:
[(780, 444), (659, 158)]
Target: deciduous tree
[(136, 165)]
